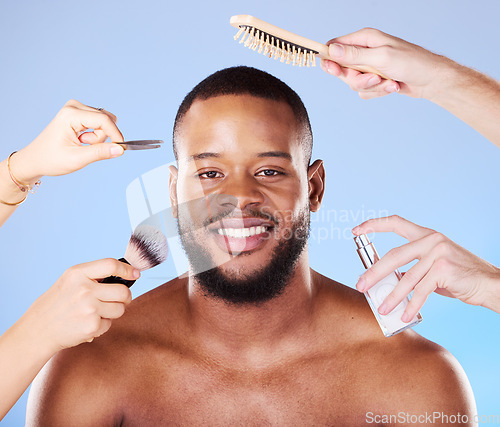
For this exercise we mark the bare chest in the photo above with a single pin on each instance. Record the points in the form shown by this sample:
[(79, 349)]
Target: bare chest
[(315, 392)]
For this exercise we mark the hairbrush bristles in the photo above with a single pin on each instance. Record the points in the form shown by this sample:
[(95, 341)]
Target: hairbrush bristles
[(147, 248), (271, 46), (289, 48)]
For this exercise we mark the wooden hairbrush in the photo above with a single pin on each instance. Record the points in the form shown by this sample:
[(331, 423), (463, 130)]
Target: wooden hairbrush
[(288, 47)]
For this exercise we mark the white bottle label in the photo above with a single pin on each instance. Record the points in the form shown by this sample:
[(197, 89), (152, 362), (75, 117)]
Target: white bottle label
[(392, 321)]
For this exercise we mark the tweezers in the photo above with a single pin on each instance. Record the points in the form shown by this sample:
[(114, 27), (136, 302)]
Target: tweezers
[(143, 144)]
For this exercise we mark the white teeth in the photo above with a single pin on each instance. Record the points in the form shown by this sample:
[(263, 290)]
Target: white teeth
[(242, 232)]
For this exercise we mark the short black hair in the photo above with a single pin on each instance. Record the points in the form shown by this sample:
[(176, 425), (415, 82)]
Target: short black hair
[(244, 80)]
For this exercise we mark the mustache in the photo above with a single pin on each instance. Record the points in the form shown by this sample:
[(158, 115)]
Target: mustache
[(229, 214)]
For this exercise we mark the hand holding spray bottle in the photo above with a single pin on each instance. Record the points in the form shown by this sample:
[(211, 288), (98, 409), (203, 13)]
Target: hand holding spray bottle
[(391, 323)]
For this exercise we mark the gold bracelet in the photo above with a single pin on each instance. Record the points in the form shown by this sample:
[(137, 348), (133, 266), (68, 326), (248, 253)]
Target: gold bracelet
[(14, 204), (20, 185)]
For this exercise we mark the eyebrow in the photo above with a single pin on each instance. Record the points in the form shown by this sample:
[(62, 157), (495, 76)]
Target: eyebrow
[(201, 156), (281, 154)]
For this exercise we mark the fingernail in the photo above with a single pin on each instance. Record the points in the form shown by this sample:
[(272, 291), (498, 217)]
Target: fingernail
[(375, 80), (137, 274), (355, 230), (361, 285), (406, 317), (330, 68), (336, 50), (333, 71), (392, 88), (116, 150), (383, 308)]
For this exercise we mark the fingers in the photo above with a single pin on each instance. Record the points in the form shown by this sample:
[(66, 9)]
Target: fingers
[(406, 285), (346, 54), (425, 244), (394, 223), (108, 267), (77, 104), (111, 292), (368, 49), (86, 119), (102, 124), (358, 81), (367, 37), (368, 85), (77, 308), (97, 135), (331, 67), (395, 258), (420, 294), (110, 310), (96, 152), (93, 137)]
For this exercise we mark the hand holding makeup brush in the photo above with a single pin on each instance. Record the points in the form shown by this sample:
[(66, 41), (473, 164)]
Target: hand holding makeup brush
[(76, 309)]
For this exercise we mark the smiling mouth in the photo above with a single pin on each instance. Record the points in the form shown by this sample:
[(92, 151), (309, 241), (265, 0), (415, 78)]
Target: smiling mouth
[(240, 233)]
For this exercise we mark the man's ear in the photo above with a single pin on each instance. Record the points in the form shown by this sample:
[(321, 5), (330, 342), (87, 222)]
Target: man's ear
[(172, 188), (316, 177)]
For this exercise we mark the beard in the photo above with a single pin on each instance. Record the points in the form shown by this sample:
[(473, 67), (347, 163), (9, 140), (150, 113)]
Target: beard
[(257, 287)]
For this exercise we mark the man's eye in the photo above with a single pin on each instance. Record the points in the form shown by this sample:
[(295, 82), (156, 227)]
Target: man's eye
[(210, 174), (269, 172)]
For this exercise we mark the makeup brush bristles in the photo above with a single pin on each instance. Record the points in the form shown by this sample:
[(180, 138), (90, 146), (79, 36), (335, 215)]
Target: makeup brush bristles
[(147, 248), (276, 48)]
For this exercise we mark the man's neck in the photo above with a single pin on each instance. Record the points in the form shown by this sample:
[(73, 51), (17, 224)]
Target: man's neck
[(254, 331)]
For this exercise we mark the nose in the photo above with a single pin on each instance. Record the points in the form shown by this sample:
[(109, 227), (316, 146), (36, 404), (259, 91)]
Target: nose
[(240, 191)]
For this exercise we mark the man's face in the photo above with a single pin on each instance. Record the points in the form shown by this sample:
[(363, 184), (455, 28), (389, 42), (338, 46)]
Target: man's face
[(242, 193)]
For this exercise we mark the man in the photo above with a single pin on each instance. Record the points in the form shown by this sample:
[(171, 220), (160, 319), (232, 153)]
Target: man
[(252, 335)]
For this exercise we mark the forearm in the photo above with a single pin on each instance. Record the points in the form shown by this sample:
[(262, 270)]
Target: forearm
[(22, 354), (472, 97)]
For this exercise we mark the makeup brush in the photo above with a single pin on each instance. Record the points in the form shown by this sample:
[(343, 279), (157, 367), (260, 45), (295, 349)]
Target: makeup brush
[(146, 249)]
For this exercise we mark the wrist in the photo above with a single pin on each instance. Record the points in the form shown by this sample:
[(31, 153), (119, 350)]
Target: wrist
[(450, 84), (22, 169), (29, 334), (492, 292), (448, 75)]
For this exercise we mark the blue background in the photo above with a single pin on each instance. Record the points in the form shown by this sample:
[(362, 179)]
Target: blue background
[(384, 156)]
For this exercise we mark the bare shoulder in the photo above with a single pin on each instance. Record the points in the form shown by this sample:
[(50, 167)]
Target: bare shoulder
[(86, 384), (428, 377), (64, 392), (406, 372)]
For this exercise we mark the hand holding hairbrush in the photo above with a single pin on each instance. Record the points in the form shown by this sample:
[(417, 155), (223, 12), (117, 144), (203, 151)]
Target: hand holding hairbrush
[(284, 45)]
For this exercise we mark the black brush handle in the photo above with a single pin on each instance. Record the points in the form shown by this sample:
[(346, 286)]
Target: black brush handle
[(116, 279)]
